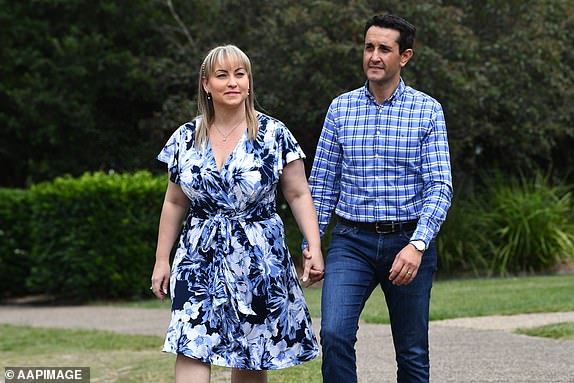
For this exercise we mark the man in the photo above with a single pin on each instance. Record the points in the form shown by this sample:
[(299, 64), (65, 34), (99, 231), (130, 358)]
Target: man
[(382, 164)]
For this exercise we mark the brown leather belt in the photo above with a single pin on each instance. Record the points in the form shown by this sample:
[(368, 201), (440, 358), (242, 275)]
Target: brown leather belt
[(381, 227)]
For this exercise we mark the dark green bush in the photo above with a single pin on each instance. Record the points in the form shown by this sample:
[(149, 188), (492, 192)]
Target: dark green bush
[(458, 250), (86, 238), (526, 224), (14, 242), (515, 225), (95, 236)]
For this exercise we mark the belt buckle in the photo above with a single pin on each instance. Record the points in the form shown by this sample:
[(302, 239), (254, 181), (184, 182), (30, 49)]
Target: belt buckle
[(380, 227)]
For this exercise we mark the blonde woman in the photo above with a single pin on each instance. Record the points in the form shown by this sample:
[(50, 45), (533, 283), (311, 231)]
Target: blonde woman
[(236, 299)]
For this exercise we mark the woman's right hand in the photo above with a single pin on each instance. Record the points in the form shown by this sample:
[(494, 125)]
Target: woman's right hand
[(160, 279)]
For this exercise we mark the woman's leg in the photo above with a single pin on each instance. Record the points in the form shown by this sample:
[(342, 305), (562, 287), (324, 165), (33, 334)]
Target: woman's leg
[(248, 376), (188, 370)]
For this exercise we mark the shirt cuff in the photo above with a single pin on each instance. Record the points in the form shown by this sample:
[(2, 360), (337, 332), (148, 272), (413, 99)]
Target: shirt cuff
[(422, 234)]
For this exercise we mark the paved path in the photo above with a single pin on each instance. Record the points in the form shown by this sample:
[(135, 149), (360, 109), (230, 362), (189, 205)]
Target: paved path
[(480, 350)]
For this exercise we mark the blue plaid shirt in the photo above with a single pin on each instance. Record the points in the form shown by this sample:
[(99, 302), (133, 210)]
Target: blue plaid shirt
[(387, 162)]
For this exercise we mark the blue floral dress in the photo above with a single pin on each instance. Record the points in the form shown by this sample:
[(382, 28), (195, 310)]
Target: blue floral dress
[(236, 299)]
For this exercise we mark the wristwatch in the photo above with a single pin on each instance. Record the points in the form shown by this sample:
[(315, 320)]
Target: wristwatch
[(419, 245)]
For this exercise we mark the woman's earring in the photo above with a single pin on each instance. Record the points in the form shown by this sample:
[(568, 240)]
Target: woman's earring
[(248, 92), (209, 96)]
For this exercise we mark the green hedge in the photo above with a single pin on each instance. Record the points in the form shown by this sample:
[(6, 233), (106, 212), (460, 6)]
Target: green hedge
[(94, 236), (14, 242), (86, 238)]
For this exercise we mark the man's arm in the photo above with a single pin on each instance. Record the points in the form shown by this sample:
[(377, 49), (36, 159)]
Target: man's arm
[(326, 173), (437, 178)]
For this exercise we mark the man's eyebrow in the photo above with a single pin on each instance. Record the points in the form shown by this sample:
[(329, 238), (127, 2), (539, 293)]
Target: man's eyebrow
[(378, 45)]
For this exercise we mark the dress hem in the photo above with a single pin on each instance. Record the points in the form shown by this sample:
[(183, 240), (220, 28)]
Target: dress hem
[(208, 361)]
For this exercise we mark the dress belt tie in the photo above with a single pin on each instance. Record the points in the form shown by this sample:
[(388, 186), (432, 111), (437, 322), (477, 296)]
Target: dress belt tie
[(227, 285)]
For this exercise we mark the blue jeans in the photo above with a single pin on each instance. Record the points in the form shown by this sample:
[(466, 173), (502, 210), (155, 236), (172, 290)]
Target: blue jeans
[(358, 261)]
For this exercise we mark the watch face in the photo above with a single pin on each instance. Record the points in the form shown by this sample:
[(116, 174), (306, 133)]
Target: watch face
[(419, 245)]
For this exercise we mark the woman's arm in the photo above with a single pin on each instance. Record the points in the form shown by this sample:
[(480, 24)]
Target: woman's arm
[(175, 206), (298, 196)]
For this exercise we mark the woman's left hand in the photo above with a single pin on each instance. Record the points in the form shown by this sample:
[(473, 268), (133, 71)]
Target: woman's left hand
[(313, 267)]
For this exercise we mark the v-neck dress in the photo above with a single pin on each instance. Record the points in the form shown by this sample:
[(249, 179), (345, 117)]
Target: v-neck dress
[(236, 298)]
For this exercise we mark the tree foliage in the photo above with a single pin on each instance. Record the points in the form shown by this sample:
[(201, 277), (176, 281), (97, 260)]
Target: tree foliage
[(76, 92), (97, 85)]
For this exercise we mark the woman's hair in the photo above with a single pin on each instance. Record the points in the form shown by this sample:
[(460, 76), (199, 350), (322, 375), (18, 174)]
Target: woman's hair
[(219, 55)]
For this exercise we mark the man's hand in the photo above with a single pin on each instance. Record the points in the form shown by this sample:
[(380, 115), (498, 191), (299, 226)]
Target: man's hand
[(406, 265)]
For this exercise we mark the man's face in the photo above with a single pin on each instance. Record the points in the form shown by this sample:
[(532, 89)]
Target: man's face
[(382, 61)]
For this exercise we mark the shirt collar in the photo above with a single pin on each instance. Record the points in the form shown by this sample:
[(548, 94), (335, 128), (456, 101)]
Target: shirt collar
[(395, 96)]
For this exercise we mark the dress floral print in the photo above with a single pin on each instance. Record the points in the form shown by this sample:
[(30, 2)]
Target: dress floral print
[(236, 300)]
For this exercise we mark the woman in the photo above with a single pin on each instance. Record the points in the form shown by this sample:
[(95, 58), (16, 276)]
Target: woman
[(236, 300)]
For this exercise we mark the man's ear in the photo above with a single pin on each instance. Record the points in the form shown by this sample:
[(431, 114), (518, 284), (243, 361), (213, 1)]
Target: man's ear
[(406, 56)]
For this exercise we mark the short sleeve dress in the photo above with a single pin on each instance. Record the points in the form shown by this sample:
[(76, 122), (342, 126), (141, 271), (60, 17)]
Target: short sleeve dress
[(236, 298)]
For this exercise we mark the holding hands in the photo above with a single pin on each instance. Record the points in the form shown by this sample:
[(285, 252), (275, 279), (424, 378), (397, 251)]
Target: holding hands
[(313, 266)]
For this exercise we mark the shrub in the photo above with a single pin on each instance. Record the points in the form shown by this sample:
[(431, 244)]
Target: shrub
[(526, 224), (515, 225), (14, 242), (95, 236), (458, 250)]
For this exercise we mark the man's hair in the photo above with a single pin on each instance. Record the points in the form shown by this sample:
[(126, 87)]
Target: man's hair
[(407, 30)]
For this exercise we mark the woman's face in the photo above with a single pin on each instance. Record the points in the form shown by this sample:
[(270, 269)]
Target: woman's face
[(228, 84)]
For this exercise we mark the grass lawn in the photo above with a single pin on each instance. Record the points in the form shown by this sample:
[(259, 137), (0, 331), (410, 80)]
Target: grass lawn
[(463, 298), (133, 358), (113, 357), (479, 297), (564, 331)]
